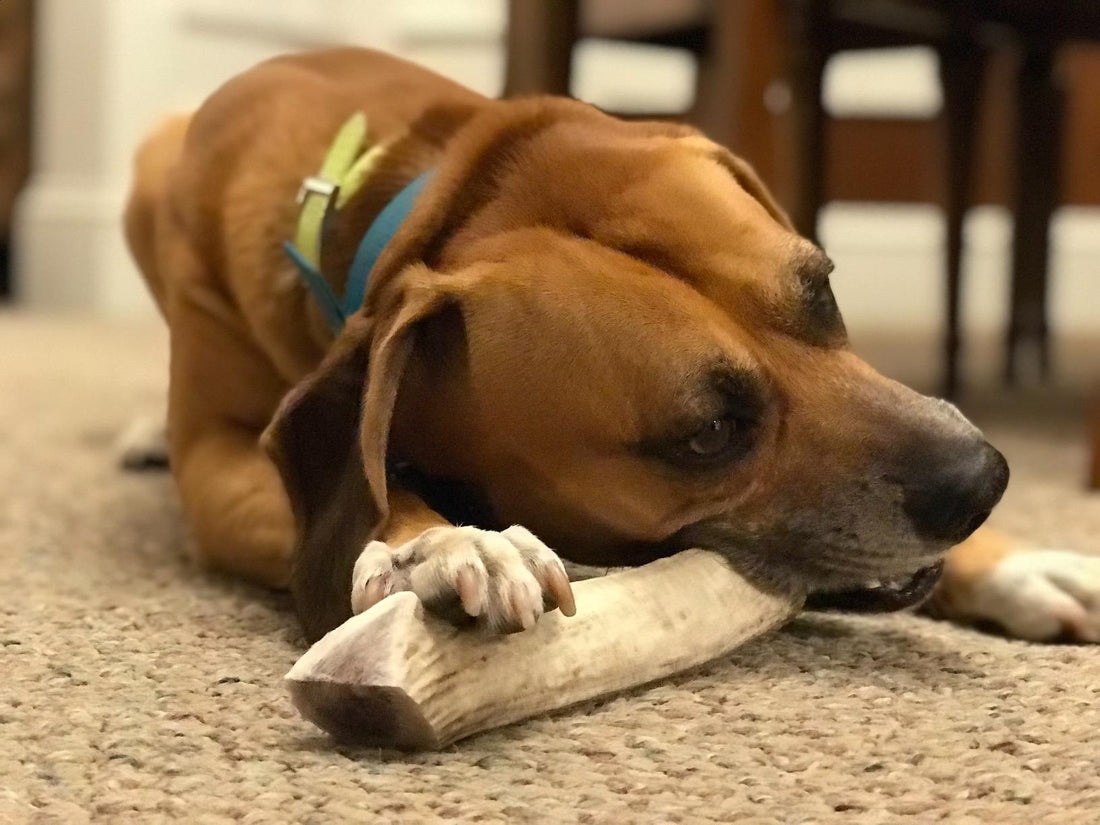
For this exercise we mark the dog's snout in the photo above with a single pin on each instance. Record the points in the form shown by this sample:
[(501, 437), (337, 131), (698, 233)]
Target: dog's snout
[(952, 493)]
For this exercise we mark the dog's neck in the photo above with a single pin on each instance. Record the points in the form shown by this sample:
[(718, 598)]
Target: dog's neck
[(348, 166), (405, 158)]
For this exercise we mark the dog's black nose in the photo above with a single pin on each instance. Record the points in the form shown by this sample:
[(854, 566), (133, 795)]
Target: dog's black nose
[(953, 492)]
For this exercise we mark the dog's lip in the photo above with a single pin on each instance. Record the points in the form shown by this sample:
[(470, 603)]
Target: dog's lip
[(883, 597)]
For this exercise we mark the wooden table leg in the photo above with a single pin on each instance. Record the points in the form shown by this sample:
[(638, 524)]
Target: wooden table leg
[(743, 57), (1039, 136), (962, 69), (808, 51), (539, 47)]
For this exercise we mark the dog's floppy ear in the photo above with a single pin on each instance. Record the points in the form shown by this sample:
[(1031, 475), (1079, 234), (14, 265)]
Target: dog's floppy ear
[(329, 440)]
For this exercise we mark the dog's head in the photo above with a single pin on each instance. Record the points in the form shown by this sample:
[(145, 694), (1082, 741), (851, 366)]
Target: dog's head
[(611, 333)]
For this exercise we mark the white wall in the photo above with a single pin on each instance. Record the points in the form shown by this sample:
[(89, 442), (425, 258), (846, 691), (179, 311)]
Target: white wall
[(106, 71), (109, 68)]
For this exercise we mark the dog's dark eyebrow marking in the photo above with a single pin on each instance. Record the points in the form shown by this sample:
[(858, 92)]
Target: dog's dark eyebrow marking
[(813, 266), (721, 387), (817, 320)]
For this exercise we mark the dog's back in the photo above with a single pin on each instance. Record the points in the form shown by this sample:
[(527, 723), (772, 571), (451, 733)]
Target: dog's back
[(153, 164), (234, 165)]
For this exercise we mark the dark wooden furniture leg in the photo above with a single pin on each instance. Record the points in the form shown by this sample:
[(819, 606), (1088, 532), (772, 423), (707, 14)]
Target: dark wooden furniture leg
[(1038, 149), (807, 54), (539, 48), (733, 75), (962, 68), (16, 69)]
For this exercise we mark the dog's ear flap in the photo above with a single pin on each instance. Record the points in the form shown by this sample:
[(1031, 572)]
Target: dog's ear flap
[(329, 439), (318, 420)]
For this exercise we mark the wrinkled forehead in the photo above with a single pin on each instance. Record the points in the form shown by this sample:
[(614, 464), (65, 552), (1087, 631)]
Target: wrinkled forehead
[(676, 203), (598, 319), (684, 214)]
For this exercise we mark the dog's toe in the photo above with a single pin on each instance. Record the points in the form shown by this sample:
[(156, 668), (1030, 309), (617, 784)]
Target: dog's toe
[(515, 595), (378, 573), (450, 576), (1043, 595), (143, 445), (502, 580)]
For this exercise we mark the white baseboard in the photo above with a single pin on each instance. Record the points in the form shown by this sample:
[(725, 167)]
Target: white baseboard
[(890, 267), (889, 261), (71, 252)]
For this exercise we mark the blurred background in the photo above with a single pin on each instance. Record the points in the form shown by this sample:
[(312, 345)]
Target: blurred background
[(946, 153)]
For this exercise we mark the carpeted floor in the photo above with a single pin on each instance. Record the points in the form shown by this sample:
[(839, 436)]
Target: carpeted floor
[(137, 689)]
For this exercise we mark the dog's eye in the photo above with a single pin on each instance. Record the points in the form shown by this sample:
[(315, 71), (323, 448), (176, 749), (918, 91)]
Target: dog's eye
[(719, 441), (721, 426), (712, 438)]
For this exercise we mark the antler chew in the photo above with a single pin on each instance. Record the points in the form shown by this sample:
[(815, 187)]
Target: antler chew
[(396, 677)]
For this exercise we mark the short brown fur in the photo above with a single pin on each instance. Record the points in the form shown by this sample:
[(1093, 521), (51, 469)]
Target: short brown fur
[(559, 289)]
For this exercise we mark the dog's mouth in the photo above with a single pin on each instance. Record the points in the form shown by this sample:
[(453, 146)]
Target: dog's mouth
[(880, 596)]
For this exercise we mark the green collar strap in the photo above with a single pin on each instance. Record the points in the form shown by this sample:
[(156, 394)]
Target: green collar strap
[(346, 167)]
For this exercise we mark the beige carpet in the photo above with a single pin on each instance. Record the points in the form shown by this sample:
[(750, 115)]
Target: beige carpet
[(137, 689)]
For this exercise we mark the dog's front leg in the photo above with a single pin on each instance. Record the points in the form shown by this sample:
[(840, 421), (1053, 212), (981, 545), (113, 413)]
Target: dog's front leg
[(503, 580), (1030, 593), (222, 389), (236, 506)]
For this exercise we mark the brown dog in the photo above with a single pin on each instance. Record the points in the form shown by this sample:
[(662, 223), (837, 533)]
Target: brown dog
[(605, 332)]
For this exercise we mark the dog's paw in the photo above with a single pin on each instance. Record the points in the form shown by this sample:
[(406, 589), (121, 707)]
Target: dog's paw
[(1042, 595), (143, 445), (504, 580)]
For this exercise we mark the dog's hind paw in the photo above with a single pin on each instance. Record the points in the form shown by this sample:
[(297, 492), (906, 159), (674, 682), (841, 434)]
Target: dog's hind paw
[(143, 445), (504, 581), (1042, 595)]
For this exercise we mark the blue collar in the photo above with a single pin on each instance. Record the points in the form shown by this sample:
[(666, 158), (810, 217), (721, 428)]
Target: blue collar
[(378, 235)]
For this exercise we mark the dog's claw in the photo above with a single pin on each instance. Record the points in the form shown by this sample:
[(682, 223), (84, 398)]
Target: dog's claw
[(375, 577), (469, 591), (374, 591), (522, 615), (505, 580), (556, 581)]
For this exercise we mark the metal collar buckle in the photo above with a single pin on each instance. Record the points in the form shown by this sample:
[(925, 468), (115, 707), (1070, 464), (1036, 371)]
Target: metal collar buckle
[(314, 185)]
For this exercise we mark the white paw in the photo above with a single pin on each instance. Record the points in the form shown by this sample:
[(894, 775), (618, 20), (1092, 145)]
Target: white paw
[(505, 580), (143, 444), (1042, 595)]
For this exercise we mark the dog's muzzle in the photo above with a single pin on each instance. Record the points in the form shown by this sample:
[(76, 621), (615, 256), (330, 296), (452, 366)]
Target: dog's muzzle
[(880, 596)]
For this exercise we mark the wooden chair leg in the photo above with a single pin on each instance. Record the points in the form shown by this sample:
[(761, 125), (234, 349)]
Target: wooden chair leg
[(962, 68), (808, 52), (1039, 119), (539, 47), (733, 75)]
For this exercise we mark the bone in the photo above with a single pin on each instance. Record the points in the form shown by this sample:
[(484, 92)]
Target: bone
[(396, 677)]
